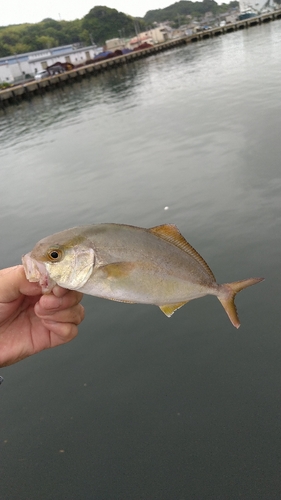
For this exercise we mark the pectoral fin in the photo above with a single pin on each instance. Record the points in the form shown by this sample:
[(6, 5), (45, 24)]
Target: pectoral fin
[(118, 270), (169, 309)]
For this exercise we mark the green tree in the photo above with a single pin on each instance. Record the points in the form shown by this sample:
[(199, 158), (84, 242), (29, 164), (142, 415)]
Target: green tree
[(45, 42), (70, 31), (5, 50), (85, 37), (20, 48), (10, 36), (104, 23)]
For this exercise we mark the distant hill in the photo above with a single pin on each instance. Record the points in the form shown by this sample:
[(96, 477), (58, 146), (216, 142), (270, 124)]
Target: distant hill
[(103, 23), (99, 25), (178, 11)]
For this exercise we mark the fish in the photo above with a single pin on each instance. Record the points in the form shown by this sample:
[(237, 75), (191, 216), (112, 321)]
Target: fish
[(129, 264)]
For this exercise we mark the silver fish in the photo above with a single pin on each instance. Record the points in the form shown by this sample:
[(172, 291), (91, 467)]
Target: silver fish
[(129, 264)]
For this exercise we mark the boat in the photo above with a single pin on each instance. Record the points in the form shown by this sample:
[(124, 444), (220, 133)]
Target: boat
[(247, 14), (253, 8)]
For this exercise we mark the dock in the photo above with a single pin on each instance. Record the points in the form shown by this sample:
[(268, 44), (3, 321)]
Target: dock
[(15, 94)]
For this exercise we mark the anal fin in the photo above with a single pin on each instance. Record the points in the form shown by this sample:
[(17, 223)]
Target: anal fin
[(169, 309)]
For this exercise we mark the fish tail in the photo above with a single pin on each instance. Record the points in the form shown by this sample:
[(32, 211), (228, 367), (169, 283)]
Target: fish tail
[(227, 294)]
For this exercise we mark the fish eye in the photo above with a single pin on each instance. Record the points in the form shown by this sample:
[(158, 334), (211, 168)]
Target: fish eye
[(54, 254)]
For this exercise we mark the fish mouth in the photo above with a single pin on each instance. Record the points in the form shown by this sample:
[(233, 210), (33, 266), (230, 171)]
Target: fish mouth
[(36, 272)]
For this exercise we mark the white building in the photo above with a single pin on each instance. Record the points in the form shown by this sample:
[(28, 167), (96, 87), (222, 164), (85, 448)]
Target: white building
[(23, 66), (257, 6), (153, 36), (115, 44)]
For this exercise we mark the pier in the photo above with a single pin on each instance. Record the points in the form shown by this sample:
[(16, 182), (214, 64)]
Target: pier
[(15, 94)]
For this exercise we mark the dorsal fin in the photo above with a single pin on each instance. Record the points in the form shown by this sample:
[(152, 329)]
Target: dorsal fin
[(170, 233)]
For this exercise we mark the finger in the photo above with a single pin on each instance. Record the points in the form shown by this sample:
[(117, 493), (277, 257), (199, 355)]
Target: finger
[(61, 333), (58, 291), (74, 315), (13, 284), (50, 302)]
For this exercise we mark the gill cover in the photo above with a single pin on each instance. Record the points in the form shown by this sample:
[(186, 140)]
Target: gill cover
[(74, 267)]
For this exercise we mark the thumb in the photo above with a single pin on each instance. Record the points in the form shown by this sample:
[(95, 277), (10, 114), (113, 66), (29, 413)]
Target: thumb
[(13, 284)]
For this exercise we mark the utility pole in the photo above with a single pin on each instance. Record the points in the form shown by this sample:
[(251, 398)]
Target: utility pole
[(137, 32)]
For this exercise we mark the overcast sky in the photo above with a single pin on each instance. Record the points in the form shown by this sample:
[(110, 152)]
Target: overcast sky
[(33, 11)]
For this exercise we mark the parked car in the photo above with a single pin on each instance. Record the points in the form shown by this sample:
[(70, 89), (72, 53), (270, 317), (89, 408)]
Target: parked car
[(56, 69), (59, 67), (41, 74)]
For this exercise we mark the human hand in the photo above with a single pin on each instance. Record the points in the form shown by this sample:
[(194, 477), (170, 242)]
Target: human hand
[(30, 321)]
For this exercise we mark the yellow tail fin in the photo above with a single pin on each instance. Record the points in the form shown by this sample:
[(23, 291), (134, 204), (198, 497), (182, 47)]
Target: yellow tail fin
[(227, 294)]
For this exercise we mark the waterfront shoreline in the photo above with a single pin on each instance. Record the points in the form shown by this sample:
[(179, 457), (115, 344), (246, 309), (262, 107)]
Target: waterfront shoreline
[(15, 94)]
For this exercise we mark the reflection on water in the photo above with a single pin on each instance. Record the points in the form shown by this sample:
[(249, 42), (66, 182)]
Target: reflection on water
[(145, 407)]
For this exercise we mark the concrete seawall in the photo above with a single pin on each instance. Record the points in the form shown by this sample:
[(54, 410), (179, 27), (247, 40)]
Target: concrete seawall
[(13, 95)]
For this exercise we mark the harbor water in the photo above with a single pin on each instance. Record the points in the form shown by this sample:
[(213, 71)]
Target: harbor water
[(139, 406)]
